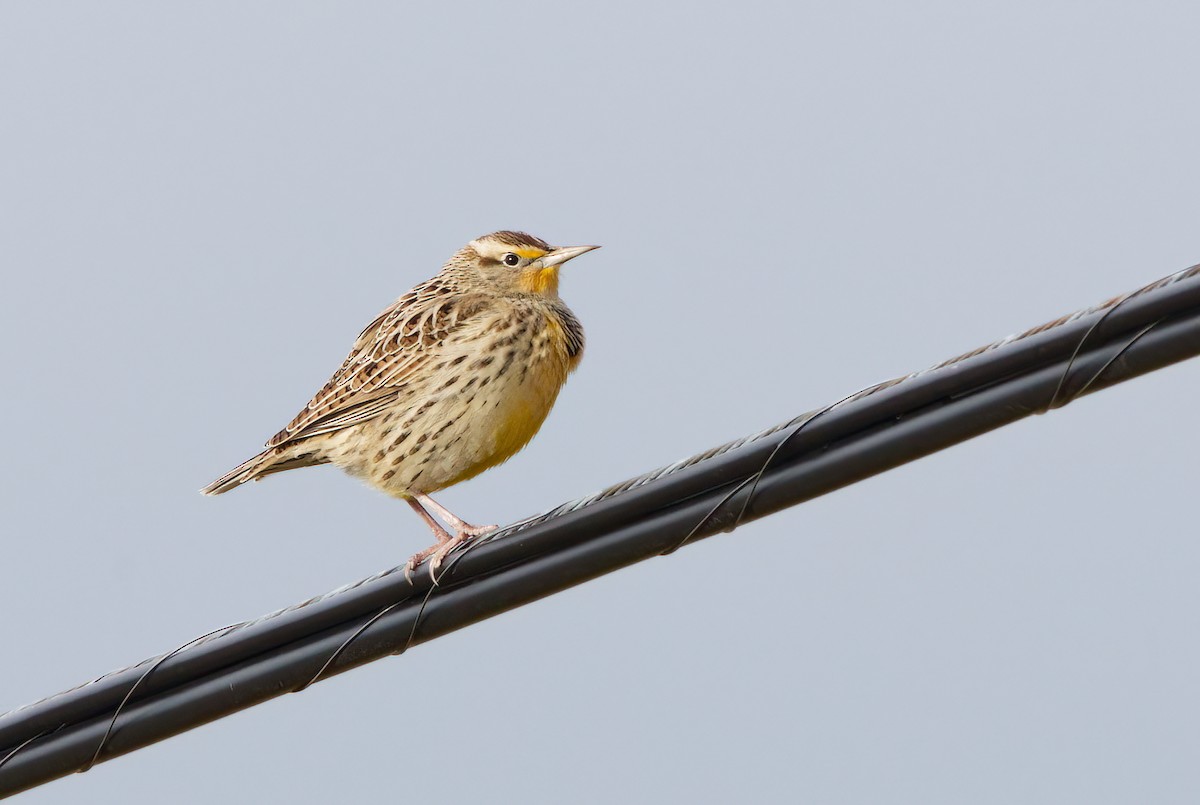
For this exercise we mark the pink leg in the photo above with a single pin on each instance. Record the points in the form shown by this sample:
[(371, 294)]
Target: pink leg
[(438, 553), (443, 538), (457, 523)]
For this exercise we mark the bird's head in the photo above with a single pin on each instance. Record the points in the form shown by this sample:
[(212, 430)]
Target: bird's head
[(514, 262)]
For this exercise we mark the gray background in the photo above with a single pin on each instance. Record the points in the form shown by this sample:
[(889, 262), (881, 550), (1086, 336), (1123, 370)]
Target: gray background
[(201, 206)]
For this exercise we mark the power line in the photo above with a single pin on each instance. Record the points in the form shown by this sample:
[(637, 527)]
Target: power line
[(867, 433)]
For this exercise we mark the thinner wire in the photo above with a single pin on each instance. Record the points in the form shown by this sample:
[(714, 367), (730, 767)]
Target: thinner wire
[(133, 688), (338, 651), (1109, 308), (1099, 372), (753, 480), (454, 559), (22, 745)]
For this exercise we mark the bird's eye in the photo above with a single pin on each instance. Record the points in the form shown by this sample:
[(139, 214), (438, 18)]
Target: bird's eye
[(511, 259)]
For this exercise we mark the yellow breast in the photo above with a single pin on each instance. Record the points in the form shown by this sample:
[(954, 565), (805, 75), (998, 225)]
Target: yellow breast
[(527, 390)]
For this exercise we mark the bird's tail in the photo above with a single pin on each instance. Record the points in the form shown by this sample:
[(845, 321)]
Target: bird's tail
[(268, 462)]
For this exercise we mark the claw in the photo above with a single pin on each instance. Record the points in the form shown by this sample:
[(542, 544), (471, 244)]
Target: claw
[(439, 556)]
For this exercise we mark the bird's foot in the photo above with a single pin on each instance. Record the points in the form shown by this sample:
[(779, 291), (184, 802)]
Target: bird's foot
[(417, 558), (437, 553), (444, 549)]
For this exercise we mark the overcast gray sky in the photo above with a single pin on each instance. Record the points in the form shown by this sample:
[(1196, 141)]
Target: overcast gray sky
[(202, 204)]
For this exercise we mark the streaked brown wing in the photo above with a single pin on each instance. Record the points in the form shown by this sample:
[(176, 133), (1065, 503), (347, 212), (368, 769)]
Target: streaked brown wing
[(388, 354)]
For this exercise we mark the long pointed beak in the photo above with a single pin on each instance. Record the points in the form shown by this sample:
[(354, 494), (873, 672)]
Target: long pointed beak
[(560, 256)]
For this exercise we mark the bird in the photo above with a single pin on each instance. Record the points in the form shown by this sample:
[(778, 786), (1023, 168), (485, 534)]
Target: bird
[(453, 378)]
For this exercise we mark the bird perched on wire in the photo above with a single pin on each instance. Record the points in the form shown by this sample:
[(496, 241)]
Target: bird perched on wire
[(453, 378)]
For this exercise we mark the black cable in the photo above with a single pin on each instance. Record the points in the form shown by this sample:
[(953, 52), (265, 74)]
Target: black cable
[(865, 434)]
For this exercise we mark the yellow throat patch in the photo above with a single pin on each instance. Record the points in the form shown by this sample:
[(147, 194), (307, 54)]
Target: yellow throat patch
[(537, 280), (540, 280)]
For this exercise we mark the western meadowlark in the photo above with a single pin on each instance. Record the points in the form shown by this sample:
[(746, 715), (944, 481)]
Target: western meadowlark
[(453, 378)]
